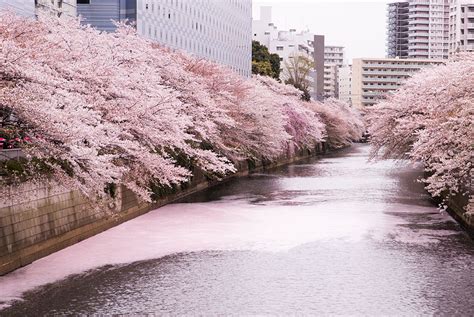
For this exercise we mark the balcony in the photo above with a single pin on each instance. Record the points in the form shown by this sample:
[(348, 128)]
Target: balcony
[(392, 80), (419, 28), (418, 42), (370, 101), (380, 87), (387, 73), (425, 34), (420, 15), (392, 66)]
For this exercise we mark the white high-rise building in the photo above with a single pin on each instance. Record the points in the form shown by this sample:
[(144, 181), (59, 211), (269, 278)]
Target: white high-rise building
[(430, 29), (418, 29), (461, 26), (219, 31), (333, 60), (345, 84)]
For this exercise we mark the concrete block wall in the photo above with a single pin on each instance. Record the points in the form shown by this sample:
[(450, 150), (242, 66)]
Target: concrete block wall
[(52, 218)]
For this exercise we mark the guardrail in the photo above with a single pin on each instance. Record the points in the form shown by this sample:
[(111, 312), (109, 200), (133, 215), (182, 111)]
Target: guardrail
[(10, 154)]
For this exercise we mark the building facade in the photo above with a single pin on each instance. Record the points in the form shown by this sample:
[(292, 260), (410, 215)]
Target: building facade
[(397, 29), (287, 44), (220, 31), (345, 84), (101, 14), (333, 60), (418, 29), (373, 78), (430, 29), (461, 26), (31, 8), (58, 7), (22, 7), (326, 59)]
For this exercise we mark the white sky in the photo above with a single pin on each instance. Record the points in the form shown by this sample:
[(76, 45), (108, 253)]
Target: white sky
[(358, 25)]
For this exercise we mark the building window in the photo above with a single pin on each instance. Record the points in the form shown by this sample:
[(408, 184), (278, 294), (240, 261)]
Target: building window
[(83, 1), (279, 48)]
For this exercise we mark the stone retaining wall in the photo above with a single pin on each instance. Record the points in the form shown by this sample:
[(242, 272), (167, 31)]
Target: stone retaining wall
[(52, 219)]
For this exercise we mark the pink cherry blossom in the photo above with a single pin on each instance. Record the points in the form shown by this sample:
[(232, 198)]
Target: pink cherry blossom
[(104, 108)]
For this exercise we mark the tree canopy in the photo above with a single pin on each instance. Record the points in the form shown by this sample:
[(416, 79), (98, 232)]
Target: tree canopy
[(114, 108), (264, 63), (430, 120)]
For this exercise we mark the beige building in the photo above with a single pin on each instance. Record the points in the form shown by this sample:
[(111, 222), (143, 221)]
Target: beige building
[(374, 78)]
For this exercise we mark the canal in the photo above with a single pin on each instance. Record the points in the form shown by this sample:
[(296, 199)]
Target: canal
[(335, 235)]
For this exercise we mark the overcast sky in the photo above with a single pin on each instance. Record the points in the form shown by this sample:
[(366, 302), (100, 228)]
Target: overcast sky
[(357, 25)]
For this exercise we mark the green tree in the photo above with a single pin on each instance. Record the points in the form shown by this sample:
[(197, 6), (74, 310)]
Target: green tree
[(264, 63)]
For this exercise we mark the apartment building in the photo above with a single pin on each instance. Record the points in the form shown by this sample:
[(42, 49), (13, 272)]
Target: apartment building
[(461, 26), (345, 84), (418, 29), (333, 60), (429, 29), (397, 29), (374, 78)]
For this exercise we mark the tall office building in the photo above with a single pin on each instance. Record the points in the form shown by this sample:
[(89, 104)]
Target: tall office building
[(429, 29), (220, 31), (217, 30)]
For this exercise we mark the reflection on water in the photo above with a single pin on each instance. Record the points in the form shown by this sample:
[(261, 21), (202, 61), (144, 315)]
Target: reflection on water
[(331, 236)]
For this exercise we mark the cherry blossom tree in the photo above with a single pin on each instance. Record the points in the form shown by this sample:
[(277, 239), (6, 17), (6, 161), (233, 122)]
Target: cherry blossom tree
[(430, 120), (102, 108)]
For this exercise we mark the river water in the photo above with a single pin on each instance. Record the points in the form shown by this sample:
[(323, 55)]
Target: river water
[(330, 236)]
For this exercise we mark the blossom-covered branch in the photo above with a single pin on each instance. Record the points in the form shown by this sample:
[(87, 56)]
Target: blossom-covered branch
[(103, 108)]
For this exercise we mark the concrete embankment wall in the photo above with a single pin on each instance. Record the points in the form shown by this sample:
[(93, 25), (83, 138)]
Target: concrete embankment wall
[(51, 219), (457, 209)]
